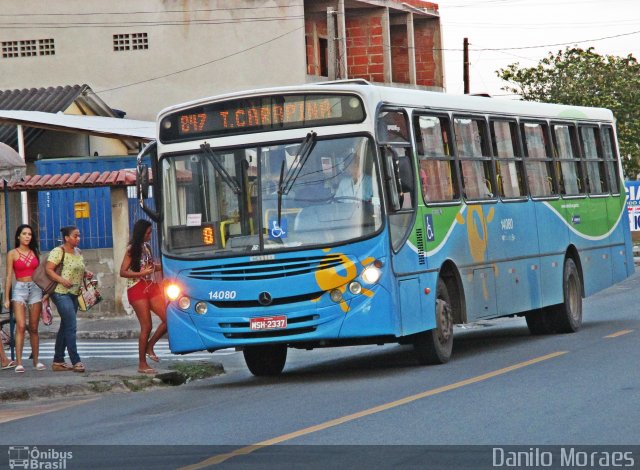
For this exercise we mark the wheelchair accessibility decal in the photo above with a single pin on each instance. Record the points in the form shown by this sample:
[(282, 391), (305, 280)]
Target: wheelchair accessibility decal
[(277, 231), (428, 226)]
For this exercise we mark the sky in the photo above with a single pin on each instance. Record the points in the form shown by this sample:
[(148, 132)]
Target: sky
[(502, 32)]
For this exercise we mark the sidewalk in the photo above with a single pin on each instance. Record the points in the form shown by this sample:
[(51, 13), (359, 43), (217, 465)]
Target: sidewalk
[(103, 375)]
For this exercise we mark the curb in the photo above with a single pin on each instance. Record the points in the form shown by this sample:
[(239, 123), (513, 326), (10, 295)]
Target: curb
[(60, 391), (103, 383)]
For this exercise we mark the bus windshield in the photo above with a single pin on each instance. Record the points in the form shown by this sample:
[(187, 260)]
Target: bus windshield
[(267, 198)]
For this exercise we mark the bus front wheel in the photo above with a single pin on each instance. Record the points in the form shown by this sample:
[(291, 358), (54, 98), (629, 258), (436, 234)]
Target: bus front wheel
[(435, 346), (265, 361)]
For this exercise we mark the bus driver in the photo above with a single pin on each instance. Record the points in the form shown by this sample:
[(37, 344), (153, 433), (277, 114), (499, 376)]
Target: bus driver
[(355, 184)]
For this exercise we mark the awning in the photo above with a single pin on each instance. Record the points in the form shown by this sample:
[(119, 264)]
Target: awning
[(110, 127)]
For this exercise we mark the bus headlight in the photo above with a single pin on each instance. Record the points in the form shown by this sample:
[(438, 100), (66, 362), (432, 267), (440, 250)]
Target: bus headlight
[(172, 291), (201, 308), (336, 295), (371, 274), (355, 288), (184, 303)]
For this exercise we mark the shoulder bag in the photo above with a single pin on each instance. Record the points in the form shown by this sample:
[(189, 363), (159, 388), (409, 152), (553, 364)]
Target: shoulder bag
[(41, 278)]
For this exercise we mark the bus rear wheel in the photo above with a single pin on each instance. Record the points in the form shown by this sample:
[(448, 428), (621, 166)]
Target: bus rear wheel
[(567, 316), (265, 361), (540, 322), (435, 346)]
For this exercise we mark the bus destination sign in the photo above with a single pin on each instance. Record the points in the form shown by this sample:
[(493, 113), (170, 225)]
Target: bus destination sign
[(260, 114)]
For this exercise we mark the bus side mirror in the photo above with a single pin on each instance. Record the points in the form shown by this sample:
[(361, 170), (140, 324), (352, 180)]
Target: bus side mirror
[(392, 177), (142, 181)]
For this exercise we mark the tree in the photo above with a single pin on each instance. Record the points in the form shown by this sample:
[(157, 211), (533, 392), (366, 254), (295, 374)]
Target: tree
[(584, 78)]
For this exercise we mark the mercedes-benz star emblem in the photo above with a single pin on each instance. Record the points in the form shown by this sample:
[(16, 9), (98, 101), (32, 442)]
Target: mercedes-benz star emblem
[(265, 298)]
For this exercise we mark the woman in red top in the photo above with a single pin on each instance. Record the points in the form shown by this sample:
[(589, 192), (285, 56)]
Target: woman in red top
[(25, 295), (145, 295)]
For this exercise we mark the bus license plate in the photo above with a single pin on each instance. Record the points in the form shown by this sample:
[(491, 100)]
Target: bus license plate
[(268, 323)]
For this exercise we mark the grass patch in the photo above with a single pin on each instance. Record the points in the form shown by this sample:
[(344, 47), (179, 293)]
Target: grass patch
[(138, 384), (197, 370), (100, 386)]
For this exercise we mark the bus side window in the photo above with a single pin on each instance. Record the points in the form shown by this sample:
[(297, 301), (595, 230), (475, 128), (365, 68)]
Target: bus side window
[(437, 168), (610, 153), (568, 165), (473, 152), (509, 165), (393, 131), (592, 152), (538, 162), (392, 127)]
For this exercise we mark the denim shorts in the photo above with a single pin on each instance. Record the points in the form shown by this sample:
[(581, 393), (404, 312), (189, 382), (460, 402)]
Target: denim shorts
[(27, 293)]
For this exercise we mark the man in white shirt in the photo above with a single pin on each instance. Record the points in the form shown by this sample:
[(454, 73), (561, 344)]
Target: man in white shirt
[(355, 185)]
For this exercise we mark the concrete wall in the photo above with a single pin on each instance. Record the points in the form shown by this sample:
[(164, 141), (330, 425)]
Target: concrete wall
[(196, 48)]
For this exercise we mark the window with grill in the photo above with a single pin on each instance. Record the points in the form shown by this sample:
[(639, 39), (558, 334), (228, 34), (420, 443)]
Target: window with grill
[(121, 42), (139, 41), (27, 48), (128, 42), (46, 47), (10, 49)]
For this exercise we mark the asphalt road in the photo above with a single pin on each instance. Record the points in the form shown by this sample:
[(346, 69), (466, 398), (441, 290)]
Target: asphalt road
[(503, 387)]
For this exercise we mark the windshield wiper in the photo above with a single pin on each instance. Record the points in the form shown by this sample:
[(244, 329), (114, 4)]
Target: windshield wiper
[(224, 174), (286, 181)]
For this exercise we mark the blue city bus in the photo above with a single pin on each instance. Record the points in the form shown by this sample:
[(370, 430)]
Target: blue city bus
[(346, 213)]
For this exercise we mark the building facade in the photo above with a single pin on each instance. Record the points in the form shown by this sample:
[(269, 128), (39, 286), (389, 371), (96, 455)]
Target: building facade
[(143, 56)]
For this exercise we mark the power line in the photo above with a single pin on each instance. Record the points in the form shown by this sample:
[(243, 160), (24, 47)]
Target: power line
[(150, 12), (556, 44), (200, 65), (138, 24)]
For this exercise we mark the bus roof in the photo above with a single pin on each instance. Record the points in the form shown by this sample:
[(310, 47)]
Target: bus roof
[(411, 97)]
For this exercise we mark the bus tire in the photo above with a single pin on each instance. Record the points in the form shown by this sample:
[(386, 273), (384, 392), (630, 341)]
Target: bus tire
[(265, 361), (567, 316), (540, 322), (435, 346)]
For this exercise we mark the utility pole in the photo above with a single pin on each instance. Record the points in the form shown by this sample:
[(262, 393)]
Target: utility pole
[(465, 66)]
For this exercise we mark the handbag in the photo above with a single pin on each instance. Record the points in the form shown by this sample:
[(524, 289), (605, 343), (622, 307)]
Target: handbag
[(89, 295), (45, 314), (40, 277)]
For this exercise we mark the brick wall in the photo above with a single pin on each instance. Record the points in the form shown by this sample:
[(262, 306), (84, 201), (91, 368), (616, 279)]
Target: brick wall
[(364, 47), (425, 61), (399, 54)]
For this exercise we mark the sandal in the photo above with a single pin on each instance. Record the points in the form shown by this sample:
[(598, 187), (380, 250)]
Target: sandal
[(153, 357), (10, 365), (20, 369), (148, 371), (61, 367), (78, 367), (40, 366)]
